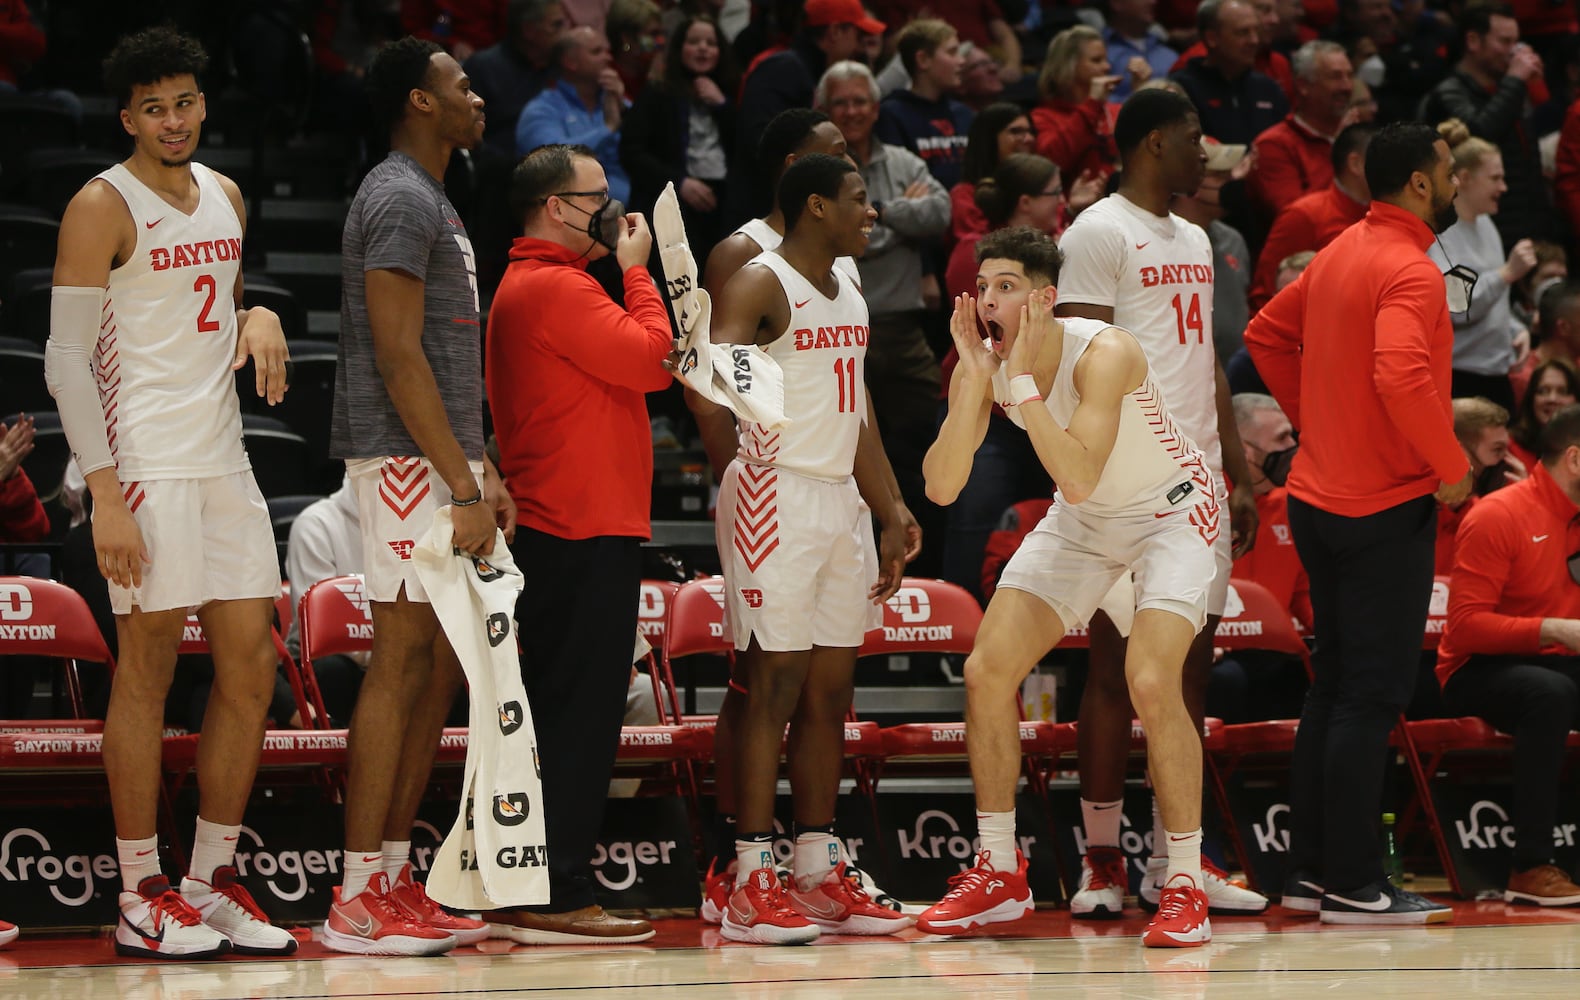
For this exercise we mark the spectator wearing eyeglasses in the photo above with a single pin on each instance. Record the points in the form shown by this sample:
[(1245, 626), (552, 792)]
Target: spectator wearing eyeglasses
[(998, 131), (1508, 653), (1485, 332)]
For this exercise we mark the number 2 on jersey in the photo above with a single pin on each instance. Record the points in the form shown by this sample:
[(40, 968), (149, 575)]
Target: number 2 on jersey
[(1189, 319), (205, 282), (845, 375)]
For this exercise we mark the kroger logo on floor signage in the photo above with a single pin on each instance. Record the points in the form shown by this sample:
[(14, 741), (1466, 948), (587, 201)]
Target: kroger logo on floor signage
[(933, 839), (643, 858), (1480, 832)]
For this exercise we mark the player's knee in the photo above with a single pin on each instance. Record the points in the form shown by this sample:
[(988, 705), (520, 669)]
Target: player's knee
[(1152, 688), (989, 676), (825, 703)]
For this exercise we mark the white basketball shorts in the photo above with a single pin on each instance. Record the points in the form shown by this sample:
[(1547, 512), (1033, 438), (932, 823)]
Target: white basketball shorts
[(396, 499), (798, 559), (1072, 559), (208, 540), (1120, 602)]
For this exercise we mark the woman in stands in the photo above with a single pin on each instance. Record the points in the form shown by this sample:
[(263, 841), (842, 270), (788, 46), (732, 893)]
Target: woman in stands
[(1024, 190), (1075, 120), (1554, 385), (998, 131)]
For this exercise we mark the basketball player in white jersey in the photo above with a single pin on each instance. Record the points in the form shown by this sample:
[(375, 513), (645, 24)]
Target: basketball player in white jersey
[(792, 534), (145, 331), (1132, 263), (791, 134), (1135, 497)]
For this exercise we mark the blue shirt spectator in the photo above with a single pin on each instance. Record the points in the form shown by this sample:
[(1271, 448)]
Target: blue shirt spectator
[(584, 106), (1122, 49)]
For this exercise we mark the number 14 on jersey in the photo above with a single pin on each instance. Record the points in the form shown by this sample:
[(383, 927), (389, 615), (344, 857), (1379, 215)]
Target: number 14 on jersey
[(1187, 318)]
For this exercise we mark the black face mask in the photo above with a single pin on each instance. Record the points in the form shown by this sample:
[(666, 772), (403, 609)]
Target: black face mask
[(605, 225), (1491, 478), (1276, 465)]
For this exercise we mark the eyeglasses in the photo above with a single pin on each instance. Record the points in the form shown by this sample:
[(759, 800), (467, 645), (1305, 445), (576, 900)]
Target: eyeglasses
[(1459, 281), (604, 194)]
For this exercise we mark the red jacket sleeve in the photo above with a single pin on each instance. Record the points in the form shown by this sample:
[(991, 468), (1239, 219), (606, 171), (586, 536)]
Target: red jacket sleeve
[(1485, 551), (1292, 232), (623, 347), (1276, 180), (966, 219), (1566, 181), (1066, 137), (22, 516), (1402, 372), (1273, 339)]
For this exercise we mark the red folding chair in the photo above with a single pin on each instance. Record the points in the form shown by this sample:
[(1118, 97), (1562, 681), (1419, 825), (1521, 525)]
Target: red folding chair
[(43, 618), (333, 618), (693, 626)]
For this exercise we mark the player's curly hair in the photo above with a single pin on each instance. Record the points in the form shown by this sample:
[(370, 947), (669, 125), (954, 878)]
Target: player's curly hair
[(395, 71), (1033, 250), (151, 55)]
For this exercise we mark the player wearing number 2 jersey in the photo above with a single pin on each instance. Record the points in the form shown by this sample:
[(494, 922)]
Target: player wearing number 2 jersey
[(145, 332), (799, 588), (1133, 263)]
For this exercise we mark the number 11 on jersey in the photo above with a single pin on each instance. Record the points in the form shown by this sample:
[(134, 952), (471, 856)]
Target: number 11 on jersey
[(845, 375), (1189, 318)]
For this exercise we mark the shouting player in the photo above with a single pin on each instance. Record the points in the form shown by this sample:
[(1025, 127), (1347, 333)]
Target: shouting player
[(1135, 497)]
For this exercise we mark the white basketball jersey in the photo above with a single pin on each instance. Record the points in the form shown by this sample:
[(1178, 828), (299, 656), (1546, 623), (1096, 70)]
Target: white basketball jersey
[(1154, 466), (761, 233), (823, 356), (1157, 275), (168, 337)]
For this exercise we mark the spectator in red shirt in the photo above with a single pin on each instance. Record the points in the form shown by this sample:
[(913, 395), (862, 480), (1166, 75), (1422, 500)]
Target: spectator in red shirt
[(1024, 191), (567, 372), (998, 131), (462, 28), (1482, 428), (1357, 351), (1074, 121), (1566, 179), (1508, 653), (1295, 157), (22, 516), (1269, 441), (1313, 221), (1558, 334), (1554, 385)]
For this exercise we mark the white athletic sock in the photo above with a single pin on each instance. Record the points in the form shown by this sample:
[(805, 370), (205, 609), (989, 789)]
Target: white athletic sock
[(997, 832), (751, 855), (139, 859), (816, 854), (1184, 856), (360, 867), (396, 854), (1160, 837), (214, 847), (1101, 820)]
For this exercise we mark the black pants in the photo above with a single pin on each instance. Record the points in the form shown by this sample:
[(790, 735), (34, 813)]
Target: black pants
[(1371, 582), (1537, 700), (577, 619), (1494, 387)]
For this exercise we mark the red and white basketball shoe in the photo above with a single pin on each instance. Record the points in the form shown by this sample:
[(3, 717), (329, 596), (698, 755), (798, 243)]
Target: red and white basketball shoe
[(1101, 893), (716, 890), (157, 923), (412, 896), (979, 896), (838, 904), (372, 923), (1181, 920), (759, 912), (8, 932), (229, 908)]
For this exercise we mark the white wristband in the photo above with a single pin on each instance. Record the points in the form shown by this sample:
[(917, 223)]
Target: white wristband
[(1023, 389)]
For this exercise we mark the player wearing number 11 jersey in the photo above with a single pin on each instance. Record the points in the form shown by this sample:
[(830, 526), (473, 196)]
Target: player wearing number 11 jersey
[(145, 332), (1133, 263)]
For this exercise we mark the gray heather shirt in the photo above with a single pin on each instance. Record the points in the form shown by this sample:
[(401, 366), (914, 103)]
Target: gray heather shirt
[(401, 220)]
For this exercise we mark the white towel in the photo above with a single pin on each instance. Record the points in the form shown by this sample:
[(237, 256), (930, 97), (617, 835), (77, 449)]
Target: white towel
[(496, 854), (741, 377)]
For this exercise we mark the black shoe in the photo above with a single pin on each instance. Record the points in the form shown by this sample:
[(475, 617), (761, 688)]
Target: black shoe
[(1382, 903), (1302, 893)]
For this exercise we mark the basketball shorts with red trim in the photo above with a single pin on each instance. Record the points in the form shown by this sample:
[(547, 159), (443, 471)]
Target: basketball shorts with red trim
[(798, 559), (1120, 602), (1072, 559), (396, 500), (208, 540)]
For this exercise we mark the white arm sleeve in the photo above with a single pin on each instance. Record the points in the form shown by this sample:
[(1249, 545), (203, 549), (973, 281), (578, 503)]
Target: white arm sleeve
[(68, 371)]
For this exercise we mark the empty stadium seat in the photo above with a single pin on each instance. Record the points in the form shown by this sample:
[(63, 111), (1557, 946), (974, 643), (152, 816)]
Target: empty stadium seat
[(27, 239), (22, 385), (279, 461), (24, 304), (44, 123), (54, 176), (308, 409), (258, 290)]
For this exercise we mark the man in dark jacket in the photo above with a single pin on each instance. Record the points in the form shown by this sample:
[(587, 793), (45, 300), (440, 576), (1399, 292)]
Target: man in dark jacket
[(1490, 92), (923, 118), (511, 73), (830, 32), (1234, 101)]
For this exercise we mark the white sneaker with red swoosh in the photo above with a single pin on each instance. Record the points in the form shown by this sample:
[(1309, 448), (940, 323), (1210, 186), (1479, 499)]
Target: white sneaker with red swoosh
[(838, 904), (759, 913), (229, 908), (371, 923), (979, 896), (1181, 920), (157, 923)]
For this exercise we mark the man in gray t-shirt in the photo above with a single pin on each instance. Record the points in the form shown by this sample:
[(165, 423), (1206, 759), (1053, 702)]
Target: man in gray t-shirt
[(401, 221), (408, 420)]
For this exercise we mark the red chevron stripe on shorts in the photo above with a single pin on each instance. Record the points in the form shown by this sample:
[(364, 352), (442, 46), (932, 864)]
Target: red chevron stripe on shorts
[(403, 483), (756, 514)]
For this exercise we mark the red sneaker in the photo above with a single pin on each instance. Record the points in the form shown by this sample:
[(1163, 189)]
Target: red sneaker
[(758, 912), (1181, 920), (979, 896), (412, 896), (716, 889), (839, 905), (371, 923)]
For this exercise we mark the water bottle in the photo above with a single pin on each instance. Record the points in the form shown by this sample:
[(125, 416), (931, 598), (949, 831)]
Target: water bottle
[(1393, 865)]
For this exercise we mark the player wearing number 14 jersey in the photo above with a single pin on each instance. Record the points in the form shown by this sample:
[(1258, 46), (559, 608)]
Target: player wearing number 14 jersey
[(145, 332), (1133, 263)]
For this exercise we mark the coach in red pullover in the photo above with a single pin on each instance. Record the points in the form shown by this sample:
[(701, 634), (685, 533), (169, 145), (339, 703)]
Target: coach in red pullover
[(1357, 352), (1508, 654), (567, 371)]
